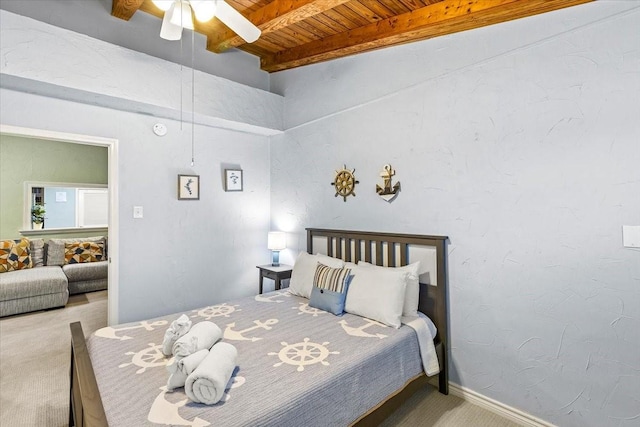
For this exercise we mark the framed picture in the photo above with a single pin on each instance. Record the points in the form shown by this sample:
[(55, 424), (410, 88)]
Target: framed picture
[(188, 187), (233, 180)]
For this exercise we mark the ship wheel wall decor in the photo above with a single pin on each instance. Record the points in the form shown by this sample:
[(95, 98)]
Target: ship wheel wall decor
[(345, 182)]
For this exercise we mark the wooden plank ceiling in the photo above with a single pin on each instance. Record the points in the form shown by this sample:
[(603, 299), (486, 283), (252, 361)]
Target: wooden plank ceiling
[(301, 32)]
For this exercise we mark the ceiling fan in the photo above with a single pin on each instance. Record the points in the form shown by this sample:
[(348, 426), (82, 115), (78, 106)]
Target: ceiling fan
[(177, 15)]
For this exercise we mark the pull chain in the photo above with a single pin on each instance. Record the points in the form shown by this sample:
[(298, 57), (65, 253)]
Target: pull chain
[(181, 71), (193, 95)]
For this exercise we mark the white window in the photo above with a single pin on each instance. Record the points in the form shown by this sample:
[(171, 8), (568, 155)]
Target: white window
[(93, 207)]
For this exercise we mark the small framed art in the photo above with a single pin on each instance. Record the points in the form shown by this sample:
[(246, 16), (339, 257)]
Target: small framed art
[(233, 180), (188, 187)]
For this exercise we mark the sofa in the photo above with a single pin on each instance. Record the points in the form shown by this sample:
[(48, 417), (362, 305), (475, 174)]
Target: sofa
[(47, 273)]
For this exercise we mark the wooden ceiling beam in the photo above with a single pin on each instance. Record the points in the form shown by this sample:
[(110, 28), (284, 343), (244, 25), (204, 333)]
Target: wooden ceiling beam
[(124, 9), (445, 17), (274, 16)]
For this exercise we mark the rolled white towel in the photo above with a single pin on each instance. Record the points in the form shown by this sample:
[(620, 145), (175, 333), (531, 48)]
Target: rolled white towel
[(182, 367), (207, 383), (201, 336), (178, 328)]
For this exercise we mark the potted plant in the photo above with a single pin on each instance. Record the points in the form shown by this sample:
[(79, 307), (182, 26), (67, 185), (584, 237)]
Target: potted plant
[(37, 216)]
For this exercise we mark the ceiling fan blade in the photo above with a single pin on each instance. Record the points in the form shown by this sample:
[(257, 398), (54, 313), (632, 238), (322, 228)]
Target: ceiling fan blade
[(238, 23), (181, 15), (169, 31)]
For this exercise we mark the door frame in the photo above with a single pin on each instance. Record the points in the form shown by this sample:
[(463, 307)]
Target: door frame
[(112, 182)]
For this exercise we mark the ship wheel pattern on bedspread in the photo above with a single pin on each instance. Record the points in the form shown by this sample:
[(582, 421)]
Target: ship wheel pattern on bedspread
[(219, 310), (150, 357), (303, 354)]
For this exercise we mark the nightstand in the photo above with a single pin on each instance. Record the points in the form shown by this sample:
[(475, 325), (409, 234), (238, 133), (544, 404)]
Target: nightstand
[(279, 273)]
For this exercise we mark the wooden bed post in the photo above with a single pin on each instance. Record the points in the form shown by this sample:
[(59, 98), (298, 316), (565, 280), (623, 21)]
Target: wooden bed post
[(443, 316), (85, 404)]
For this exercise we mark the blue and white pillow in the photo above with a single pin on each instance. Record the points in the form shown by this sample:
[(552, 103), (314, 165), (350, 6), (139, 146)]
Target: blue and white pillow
[(330, 286)]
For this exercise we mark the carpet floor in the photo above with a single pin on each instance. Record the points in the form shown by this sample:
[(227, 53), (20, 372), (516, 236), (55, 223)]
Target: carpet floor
[(35, 349), (34, 374)]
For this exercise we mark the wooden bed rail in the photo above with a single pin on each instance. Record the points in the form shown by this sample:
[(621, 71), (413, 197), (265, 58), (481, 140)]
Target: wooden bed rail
[(85, 404)]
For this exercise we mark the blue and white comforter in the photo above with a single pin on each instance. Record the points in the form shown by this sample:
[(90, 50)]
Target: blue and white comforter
[(296, 366)]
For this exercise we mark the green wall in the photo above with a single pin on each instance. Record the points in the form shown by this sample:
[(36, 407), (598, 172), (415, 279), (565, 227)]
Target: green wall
[(27, 159)]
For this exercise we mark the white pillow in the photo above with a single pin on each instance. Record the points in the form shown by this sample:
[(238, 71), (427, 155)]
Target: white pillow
[(377, 295), (412, 291), (304, 269), (350, 265)]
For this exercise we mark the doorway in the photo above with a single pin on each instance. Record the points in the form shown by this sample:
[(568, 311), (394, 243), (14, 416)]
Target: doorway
[(112, 158)]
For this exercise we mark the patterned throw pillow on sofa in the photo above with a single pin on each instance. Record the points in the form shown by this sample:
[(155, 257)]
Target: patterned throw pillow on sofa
[(78, 252), (15, 255)]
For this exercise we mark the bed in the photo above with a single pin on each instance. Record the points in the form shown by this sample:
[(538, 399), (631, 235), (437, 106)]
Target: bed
[(296, 365)]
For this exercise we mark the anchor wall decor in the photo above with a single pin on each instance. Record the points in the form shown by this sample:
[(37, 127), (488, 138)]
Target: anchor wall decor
[(387, 191)]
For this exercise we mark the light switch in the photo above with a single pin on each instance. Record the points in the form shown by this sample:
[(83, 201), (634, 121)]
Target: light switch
[(137, 212), (631, 236)]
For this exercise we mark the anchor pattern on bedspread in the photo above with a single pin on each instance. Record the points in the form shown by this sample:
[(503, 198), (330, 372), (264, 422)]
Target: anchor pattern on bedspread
[(238, 335), (272, 297), (360, 330), (110, 333), (168, 413), (305, 308)]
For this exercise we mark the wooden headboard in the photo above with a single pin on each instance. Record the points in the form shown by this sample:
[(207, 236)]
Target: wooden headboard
[(396, 250)]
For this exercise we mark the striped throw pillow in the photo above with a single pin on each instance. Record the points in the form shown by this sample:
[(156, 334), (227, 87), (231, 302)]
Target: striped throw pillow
[(330, 287)]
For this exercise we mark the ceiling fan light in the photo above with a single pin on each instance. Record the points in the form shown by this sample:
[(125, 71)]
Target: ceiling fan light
[(181, 15), (204, 10), (163, 5)]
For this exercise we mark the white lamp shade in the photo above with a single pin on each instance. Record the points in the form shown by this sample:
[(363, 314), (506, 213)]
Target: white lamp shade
[(277, 240), (182, 15)]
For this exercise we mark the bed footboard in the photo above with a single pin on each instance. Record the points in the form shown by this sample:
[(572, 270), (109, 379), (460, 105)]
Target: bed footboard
[(85, 404)]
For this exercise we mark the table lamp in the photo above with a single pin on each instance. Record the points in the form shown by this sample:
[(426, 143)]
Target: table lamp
[(276, 241)]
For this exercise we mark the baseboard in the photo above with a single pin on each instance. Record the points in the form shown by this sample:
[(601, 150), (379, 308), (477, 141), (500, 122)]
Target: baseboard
[(496, 407)]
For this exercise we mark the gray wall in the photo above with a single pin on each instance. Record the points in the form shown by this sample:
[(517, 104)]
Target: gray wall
[(183, 254), (521, 142)]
